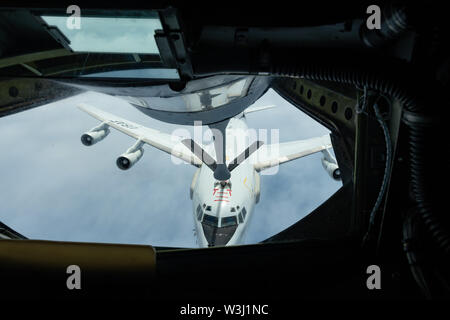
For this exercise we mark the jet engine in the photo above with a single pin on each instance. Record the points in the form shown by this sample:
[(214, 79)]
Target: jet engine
[(95, 134), (330, 165), (126, 160)]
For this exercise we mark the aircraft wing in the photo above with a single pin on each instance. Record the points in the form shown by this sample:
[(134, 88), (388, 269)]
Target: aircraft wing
[(274, 154), (165, 142)]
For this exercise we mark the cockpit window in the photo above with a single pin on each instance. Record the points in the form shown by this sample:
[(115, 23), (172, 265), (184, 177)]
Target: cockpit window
[(211, 220), (241, 220), (229, 221), (208, 208), (199, 213), (244, 212)]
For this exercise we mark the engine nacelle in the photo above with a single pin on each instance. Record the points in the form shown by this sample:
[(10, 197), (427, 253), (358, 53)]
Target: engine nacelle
[(332, 169), (330, 165), (92, 137), (95, 135), (131, 156)]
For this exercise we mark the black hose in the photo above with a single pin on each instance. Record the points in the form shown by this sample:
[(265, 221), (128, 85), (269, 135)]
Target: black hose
[(419, 140), (415, 119), (411, 248)]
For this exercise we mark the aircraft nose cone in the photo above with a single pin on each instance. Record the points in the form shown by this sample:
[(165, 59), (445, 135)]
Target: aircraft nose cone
[(221, 173)]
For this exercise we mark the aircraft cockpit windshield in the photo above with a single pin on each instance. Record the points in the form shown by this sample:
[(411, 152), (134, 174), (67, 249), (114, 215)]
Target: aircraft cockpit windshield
[(211, 220), (228, 221)]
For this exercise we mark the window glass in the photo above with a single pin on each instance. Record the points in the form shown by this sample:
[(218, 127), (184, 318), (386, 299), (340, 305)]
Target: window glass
[(154, 73), (211, 220), (244, 212), (241, 220), (229, 221), (41, 175), (112, 35), (199, 215)]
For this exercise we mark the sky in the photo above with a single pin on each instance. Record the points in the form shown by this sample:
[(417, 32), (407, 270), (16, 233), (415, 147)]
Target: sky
[(120, 35), (53, 187)]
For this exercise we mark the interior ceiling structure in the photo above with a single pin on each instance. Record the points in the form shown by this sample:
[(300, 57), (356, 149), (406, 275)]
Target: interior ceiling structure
[(326, 62)]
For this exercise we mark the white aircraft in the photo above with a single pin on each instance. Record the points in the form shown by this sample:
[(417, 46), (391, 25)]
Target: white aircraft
[(222, 207)]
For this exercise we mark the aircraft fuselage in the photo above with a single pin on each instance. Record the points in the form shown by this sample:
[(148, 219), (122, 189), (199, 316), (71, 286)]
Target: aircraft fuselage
[(222, 210)]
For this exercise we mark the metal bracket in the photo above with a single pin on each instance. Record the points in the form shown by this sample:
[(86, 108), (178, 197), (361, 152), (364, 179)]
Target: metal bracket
[(172, 44)]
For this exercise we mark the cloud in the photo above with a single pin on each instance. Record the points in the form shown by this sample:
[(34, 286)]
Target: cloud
[(300, 186), (55, 188)]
